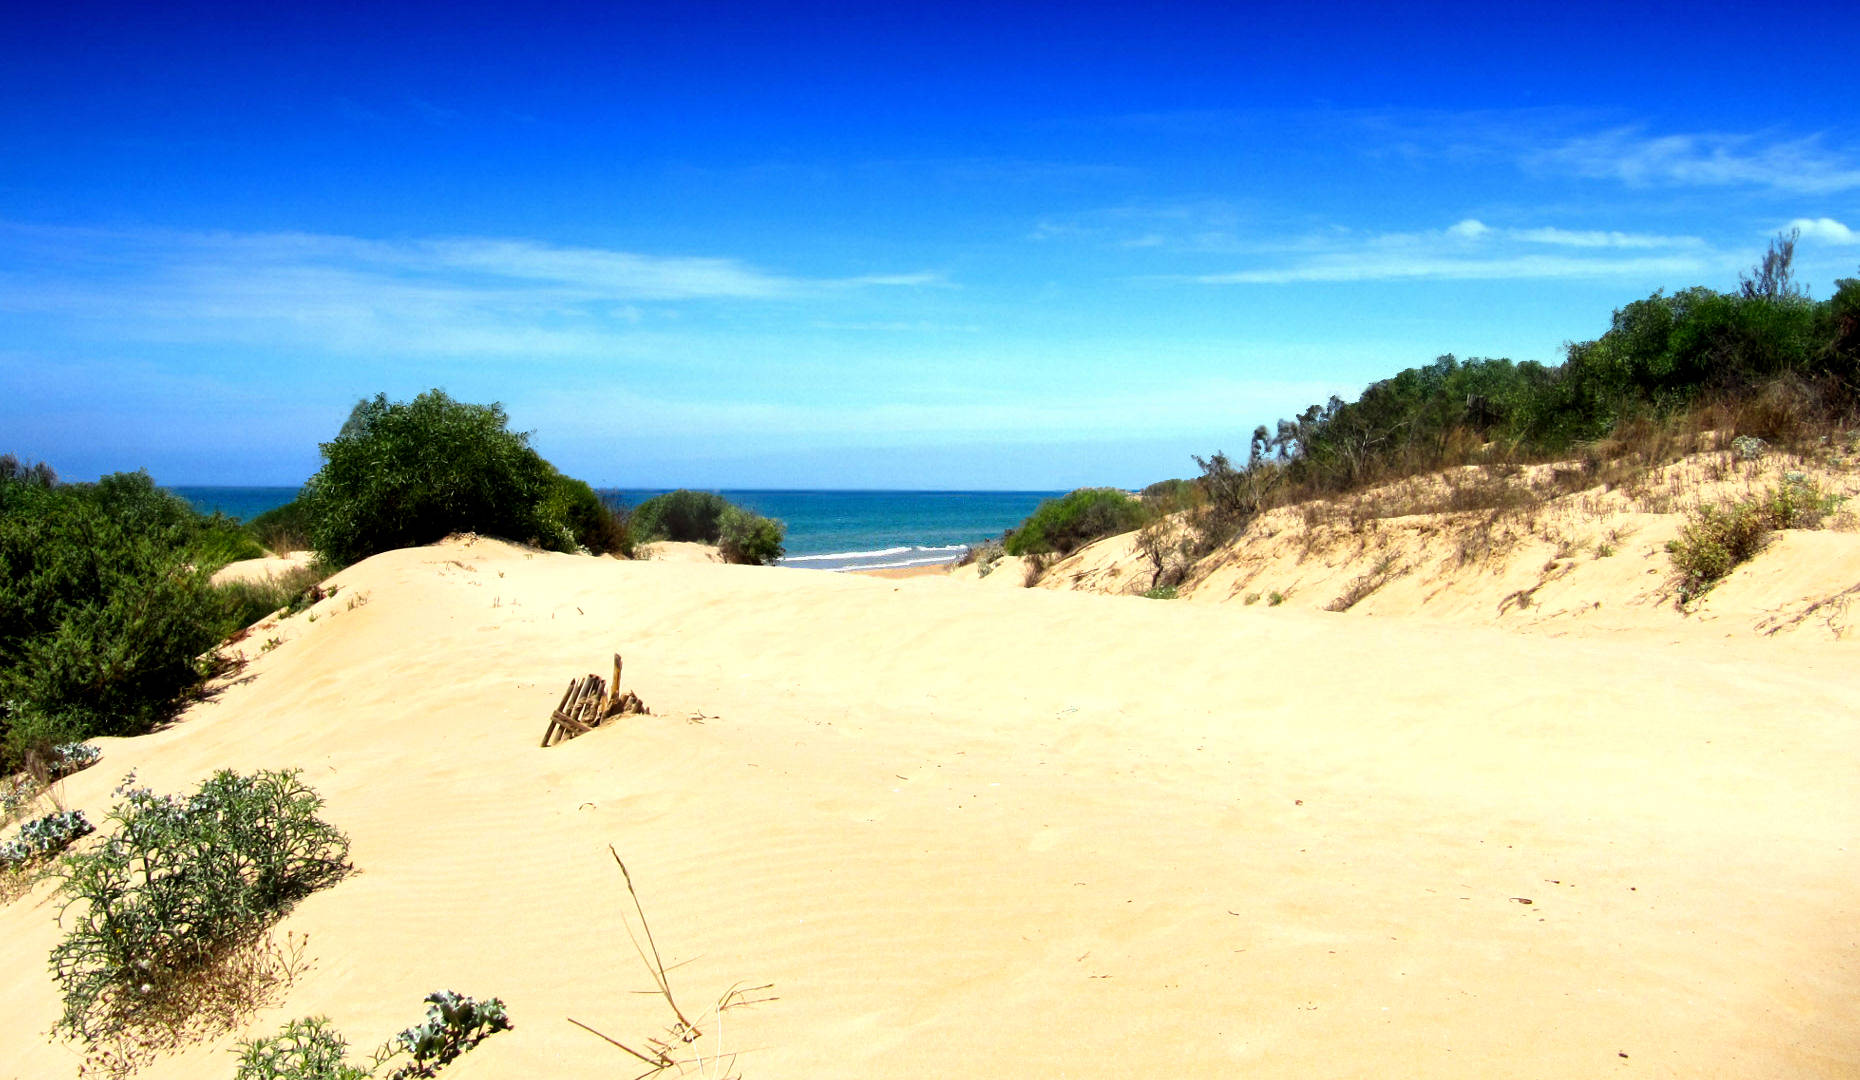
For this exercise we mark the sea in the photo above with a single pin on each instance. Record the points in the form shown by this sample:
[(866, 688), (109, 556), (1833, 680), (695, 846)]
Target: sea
[(827, 530)]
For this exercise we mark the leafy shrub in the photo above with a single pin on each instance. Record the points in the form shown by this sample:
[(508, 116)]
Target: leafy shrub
[(1713, 541), (180, 882), (310, 1049), (43, 836), (587, 520), (682, 516), (1161, 592), (401, 474), (1717, 539), (283, 529), (104, 606), (1798, 503), (1065, 524), (749, 539), (246, 602)]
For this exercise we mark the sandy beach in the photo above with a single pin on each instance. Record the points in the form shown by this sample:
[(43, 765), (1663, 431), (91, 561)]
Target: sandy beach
[(1016, 831)]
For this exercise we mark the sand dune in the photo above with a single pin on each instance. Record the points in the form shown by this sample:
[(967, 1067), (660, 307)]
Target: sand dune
[(1589, 561), (1027, 832)]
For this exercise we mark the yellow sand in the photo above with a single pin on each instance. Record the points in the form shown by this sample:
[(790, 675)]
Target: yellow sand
[(1008, 832)]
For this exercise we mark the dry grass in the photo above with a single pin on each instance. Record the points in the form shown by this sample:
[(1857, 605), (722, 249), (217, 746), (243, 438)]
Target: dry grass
[(1387, 569), (211, 1002), (683, 1045)]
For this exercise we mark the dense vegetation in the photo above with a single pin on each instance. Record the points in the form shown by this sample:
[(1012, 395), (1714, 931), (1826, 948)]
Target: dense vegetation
[(705, 517), (1765, 361), (105, 604), (1778, 363), (1063, 525), (401, 474)]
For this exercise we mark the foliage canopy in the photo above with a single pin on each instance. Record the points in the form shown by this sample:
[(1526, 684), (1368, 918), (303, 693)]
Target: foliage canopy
[(401, 474)]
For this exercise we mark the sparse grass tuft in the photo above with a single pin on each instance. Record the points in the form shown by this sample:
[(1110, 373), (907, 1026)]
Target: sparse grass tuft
[(1385, 571)]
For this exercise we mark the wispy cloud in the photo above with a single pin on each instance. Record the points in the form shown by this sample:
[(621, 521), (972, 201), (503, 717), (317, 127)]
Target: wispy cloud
[(1824, 229), (1209, 225), (1805, 164), (460, 295), (1471, 250)]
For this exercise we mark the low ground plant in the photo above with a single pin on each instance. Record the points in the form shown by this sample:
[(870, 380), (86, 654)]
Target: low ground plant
[(43, 837), (312, 1049), (180, 883)]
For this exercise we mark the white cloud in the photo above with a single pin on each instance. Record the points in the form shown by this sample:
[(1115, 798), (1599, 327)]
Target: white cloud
[(1705, 159), (1826, 229), (1353, 267), (1594, 238), (457, 295), (1472, 250)]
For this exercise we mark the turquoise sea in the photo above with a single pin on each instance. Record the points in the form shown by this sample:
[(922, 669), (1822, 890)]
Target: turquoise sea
[(827, 530)]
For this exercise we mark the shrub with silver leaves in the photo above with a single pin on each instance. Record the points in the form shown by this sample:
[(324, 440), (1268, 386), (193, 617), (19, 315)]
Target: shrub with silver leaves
[(44, 836)]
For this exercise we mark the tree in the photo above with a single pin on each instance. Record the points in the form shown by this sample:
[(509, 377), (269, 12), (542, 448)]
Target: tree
[(1774, 275), (401, 474)]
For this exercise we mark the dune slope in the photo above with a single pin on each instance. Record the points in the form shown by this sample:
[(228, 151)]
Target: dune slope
[(1025, 832)]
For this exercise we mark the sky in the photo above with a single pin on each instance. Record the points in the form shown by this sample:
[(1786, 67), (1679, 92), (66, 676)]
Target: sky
[(952, 246)]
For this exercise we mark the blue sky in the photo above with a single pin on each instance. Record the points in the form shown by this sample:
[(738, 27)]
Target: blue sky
[(972, 246)]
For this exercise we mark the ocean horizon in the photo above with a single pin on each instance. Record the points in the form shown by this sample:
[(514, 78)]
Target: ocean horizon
[(827, 529)]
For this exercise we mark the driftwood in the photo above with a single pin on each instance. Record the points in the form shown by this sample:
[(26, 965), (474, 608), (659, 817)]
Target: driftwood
[(588, 703)]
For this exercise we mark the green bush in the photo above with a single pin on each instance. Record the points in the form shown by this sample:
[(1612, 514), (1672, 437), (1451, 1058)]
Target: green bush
[(1065, 524), (749, 539), (105, 606), (243, 603), (178, 884), (283, 529), (1717, 539), (682, 516), (587, 521), (401, 474), (1714, 541), (1798, 503), (310, 1049)]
